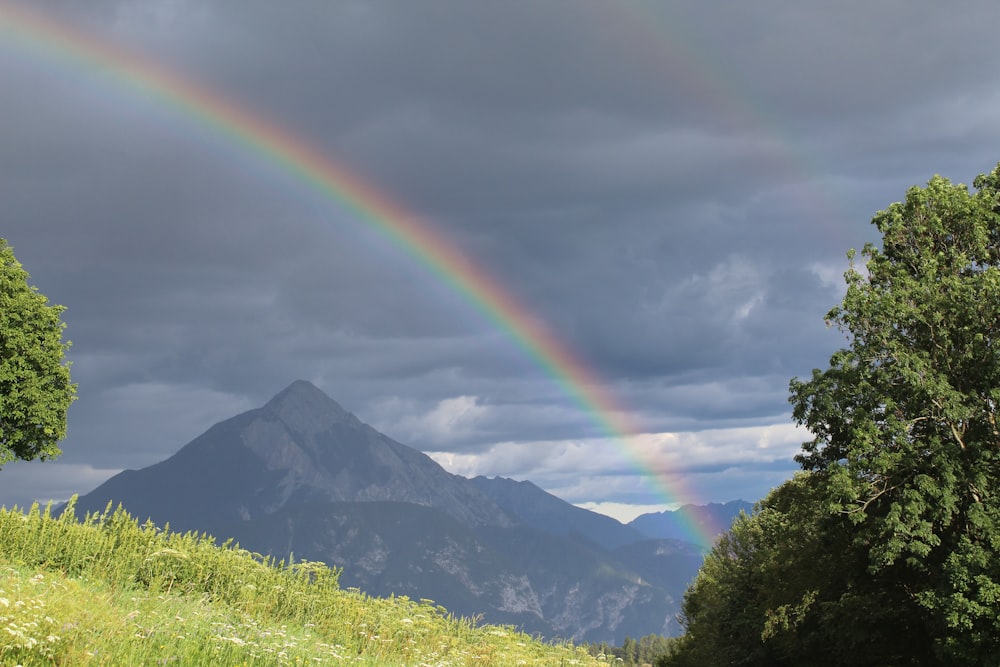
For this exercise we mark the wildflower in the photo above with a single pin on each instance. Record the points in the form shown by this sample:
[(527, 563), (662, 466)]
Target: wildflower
[(236, 640)]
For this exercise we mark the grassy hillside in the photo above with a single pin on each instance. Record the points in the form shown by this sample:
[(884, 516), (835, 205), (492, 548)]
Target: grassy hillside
[(109, 591)]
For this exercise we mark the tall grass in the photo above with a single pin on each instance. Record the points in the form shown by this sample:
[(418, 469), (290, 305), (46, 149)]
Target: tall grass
[(107, 590)]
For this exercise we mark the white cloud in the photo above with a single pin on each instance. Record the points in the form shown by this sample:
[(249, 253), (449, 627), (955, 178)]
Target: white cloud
[(731, 287), (450, 420), (623, 511), (830, 274), (692, 466)]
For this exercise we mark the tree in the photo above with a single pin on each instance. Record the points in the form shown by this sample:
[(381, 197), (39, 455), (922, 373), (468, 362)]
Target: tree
[(905, 418), (630, 651), (886, 549), (785, 587), (35, 387)]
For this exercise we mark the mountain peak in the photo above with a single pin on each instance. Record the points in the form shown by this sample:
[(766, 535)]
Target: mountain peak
[(304, 408), (301, 390)]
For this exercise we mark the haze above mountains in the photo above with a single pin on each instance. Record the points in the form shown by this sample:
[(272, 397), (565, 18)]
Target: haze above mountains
[(303, 476)]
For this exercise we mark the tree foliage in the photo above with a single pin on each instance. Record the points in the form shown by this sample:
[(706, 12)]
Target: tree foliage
[(886, 550), (35, 387), (785, 587)]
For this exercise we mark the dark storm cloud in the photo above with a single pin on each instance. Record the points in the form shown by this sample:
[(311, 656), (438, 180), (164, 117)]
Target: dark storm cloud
[(671, 189)]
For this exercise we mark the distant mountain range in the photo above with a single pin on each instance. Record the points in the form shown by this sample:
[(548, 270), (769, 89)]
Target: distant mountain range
[(709, 521), (302, 476)]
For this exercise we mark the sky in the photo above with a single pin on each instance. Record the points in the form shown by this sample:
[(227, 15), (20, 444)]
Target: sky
[(669, 190)]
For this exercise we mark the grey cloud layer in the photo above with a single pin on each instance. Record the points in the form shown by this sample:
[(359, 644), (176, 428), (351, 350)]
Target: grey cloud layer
[(671, 189)]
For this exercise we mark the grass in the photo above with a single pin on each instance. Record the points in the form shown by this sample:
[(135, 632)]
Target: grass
[(108, 590)]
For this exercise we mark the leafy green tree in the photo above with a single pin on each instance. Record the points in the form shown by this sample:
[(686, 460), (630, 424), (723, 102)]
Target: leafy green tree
[(785, 587), (905, 419), (886, 550), (35, 387)]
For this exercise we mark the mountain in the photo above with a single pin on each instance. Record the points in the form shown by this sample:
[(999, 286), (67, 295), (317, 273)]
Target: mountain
[(300, 447), (541, 510), (303, 476), (711, 520)]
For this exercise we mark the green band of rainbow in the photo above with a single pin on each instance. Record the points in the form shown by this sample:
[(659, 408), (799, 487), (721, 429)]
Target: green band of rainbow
[(293, 156)]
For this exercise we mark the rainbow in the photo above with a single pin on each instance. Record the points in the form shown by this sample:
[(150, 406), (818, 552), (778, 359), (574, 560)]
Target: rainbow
[(658, 30), (57, 40)]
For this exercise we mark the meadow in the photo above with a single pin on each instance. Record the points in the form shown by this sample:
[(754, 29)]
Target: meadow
[(109, 590)]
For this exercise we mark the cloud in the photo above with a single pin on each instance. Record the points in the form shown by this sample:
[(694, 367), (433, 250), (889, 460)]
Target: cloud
[(652, 468), (624, 512), (670, 190), (451, 420)]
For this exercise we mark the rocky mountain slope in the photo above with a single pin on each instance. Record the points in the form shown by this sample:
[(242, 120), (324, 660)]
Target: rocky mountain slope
[(538, 509)]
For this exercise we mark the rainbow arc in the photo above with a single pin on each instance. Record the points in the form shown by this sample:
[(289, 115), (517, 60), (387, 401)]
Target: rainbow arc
[(56, 41)]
